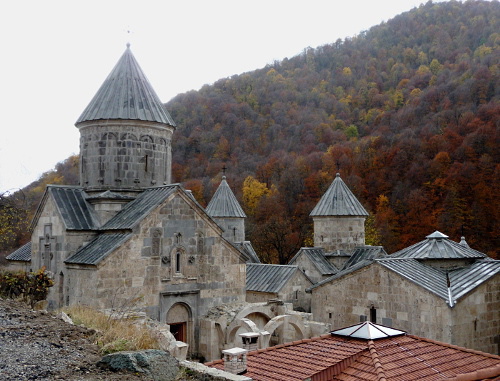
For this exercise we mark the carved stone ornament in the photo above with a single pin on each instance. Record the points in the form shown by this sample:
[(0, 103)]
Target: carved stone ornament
[(165, 259), (191, 259)]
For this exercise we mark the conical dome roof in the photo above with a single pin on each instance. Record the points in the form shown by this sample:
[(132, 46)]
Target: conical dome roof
[(224, 203), (126, 94), (338, 200)]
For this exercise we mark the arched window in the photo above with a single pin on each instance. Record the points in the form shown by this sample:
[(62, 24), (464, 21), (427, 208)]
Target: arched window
[(178, 262)]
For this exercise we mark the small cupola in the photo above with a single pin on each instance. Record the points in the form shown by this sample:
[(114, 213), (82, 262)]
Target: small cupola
[(225, 209), (339, 219), (368, 331)]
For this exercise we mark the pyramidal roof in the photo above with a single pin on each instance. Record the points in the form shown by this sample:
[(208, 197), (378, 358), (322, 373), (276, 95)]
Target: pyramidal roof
[(338, 200), (368, 331), (224, 202), (438, 246), (126, 94)]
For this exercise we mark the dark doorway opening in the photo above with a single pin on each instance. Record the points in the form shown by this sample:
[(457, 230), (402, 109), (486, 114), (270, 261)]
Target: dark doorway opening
[(373, 314), (179, 331)]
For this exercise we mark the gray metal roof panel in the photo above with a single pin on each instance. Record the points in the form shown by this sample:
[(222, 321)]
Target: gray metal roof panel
[(126, 94), (268, 278), (428, 277), (224, 203), (22, 254), (462, 280), (338, 200), (108, 195), (438, 246), (246, 248), (366, 252), (136, 210), (317, 257), (98, 249), (466, 279), (76, 212), (340, 274)]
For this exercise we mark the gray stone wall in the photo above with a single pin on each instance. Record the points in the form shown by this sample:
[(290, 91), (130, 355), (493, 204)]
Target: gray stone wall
[(339, 232), (403, 305), (234, 228), (294, 292), (124, 154), (476, 318), (51, 245), (307, 266), (176, 258)]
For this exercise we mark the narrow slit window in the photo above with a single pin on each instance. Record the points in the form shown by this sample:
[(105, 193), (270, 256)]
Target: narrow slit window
[(178, 262)]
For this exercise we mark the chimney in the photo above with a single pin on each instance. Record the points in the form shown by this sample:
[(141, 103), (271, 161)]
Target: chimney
[(235, 360), (250, 340)]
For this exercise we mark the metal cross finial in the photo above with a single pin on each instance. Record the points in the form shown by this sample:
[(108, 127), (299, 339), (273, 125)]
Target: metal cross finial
[(224, 169), (129, 32)]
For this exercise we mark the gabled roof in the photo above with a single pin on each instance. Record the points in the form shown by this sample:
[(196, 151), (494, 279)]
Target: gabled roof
[(126, 94), (70, 201), (462, 280), (338, 200), (438, 246), (98, 249), (395, 358), (317, 256), (23, 254), (269, 278), (136, 210), (224, 203), (366, 252), (246, 248)]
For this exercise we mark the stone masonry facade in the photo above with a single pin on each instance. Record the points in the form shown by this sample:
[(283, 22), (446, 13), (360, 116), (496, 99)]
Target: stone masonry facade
[(374, 291)]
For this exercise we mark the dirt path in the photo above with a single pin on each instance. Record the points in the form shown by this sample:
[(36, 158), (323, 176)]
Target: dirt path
[(36, 345)]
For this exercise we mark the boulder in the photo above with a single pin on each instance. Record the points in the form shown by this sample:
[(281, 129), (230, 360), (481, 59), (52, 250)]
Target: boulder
[(154, 363)]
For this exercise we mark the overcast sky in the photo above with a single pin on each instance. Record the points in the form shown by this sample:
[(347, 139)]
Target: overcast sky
[(57, 53)]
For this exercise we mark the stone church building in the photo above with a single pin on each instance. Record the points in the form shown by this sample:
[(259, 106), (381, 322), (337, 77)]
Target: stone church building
[(127, 235)]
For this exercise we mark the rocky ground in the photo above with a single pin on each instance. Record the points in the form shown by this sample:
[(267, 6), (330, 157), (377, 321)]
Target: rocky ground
[(36, 345)]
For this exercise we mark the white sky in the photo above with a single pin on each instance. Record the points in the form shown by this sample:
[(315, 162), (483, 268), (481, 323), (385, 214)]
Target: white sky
[(57, 53)]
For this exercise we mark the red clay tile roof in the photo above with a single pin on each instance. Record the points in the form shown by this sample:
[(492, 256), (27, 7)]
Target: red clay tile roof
[(400, 358)]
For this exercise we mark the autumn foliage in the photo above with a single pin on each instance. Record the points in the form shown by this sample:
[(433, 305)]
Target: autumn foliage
[(407, 112)]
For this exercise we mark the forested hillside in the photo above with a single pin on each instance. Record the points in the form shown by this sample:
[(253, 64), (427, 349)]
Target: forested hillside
[(407, 112)]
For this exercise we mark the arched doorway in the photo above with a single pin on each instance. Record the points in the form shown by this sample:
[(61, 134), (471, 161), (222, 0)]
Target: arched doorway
[(179, 319)]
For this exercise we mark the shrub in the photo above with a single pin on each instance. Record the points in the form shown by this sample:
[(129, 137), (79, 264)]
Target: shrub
[(31, 287)]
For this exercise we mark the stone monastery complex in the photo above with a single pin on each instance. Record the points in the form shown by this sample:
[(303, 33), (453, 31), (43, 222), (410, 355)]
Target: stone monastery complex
[(127, 233)]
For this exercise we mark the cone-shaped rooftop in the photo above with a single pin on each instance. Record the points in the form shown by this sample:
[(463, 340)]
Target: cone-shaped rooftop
[(224, 202), (338, 200), (126, 94)]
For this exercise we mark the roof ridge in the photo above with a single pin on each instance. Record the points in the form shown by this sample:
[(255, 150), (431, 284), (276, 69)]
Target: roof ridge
[(379, 369), (340, 366)]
